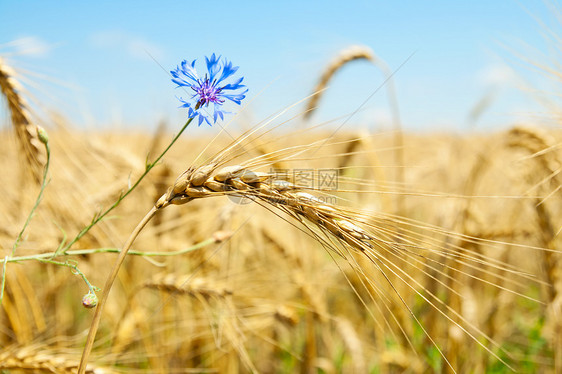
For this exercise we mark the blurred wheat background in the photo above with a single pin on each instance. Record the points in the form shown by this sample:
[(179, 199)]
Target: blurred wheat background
[(460, 271)]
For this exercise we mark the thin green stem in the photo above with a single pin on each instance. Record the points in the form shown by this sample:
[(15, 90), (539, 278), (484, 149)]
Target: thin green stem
[(99, 217), (75, 270), (3, 279), (78, 252), (45, 140), (37, 201)]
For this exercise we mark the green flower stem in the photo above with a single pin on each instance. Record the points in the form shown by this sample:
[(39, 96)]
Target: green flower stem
[(37, 201), (78, 252), (3, 286), (99, 217), (43, 137), (75, 270)]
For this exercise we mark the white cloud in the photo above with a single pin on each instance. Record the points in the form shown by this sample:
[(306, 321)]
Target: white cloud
[(135, 46), (31, 46), (380, 116), (106, 39), (141, 49), (496, 75)]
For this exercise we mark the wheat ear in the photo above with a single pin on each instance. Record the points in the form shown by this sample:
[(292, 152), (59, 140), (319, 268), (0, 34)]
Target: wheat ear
[(34, 359), (344, 57), (26, 131), (540, 147), (187, 285), (238, 180)]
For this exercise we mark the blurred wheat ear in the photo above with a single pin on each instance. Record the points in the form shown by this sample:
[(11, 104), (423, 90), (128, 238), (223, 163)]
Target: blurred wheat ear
[(355, 53), (33, 154), (40, 359), (344, 57), (547, 170)]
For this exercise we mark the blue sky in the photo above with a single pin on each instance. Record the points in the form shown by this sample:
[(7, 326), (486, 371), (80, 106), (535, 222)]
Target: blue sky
[(100, 74)]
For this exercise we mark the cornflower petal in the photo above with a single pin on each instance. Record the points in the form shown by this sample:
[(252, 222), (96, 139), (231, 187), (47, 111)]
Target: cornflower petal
[(234, 86), (213, 66), (191, 113), (227, 71), (236, 98), (189, 70), (219, 113)]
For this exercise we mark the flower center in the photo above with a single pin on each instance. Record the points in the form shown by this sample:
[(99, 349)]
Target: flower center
[(208, 93)]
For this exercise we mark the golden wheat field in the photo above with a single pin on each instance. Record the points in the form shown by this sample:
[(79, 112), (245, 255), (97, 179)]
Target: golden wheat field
[(275, 248)]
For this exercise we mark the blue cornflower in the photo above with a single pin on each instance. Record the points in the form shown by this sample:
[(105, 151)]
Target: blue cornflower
[(211, 89)]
